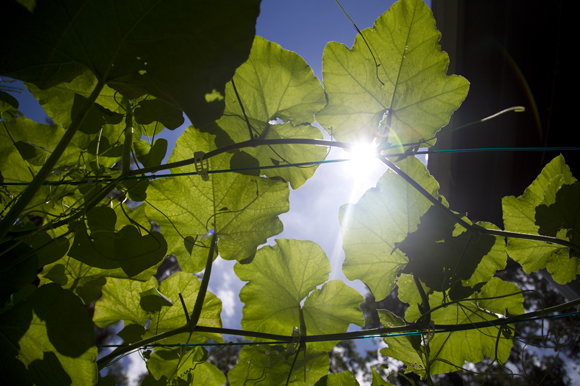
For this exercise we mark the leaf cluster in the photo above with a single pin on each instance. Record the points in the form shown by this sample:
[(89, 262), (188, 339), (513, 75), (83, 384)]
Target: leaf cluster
[(85, 222)]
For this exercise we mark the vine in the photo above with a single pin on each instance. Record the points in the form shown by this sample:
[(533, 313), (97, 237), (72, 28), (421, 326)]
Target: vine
[(104, 230)]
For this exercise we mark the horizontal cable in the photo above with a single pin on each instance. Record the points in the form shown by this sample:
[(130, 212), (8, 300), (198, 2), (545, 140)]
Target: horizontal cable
[(300, 164), (459, 327)]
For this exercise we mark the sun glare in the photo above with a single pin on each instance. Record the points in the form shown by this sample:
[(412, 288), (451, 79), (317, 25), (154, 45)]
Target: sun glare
[(363, 159)]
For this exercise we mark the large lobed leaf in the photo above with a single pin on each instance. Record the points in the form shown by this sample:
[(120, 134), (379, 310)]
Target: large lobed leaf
[(275, 84), (394, 228), (180, 51), (280, 277), (382, 218), (545, 208), (450, 350), (243, 209), (410, 86), (274, 366)]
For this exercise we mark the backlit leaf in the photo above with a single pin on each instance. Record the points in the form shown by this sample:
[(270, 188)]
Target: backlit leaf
[(280, 95), (270, 365), (519, 215), (280, 277), (409, 90), (188, 206), (120, 301), (382, 218), (170, 318)]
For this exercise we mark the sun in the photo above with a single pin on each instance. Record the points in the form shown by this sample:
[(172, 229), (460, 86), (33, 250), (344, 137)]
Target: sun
[(363, 159)]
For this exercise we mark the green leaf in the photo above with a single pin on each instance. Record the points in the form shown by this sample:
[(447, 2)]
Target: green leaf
[(271, 366), (276, 84), (18, 268), (151, 155), (406, 349), (410, 85), (151, 47), (442, 253), (96, 117), (193, 363), (377, 380), (86, 281), (188, 206), (47, 249), (561, 213), (468, 345), (280, 277), (332, 309), (8, 99), (136, 252), (345, 378), (519, 215), (131, 333), (148, 111), (51, 320), (57, 101), (120, 301), (372, 228), (170, 318), (152, 300), (107, 248)]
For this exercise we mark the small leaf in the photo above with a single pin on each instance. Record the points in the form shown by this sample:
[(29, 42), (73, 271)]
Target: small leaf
[(137, 189), (242, 160), (57, 275), (345, 378), (47, 249), (8, 99), (151, 155), (131, 333), (152, 300), (96, 117), (136, 253), (89, 289), (148, 111), (406, 349)]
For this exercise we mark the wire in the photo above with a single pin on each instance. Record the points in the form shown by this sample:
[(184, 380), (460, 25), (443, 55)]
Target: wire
[(373, 336), (300, 164)]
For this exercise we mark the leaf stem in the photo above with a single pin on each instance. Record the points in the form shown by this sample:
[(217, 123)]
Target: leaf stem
[(46, 169), (195, 314), (128, 138), (243, 110)]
